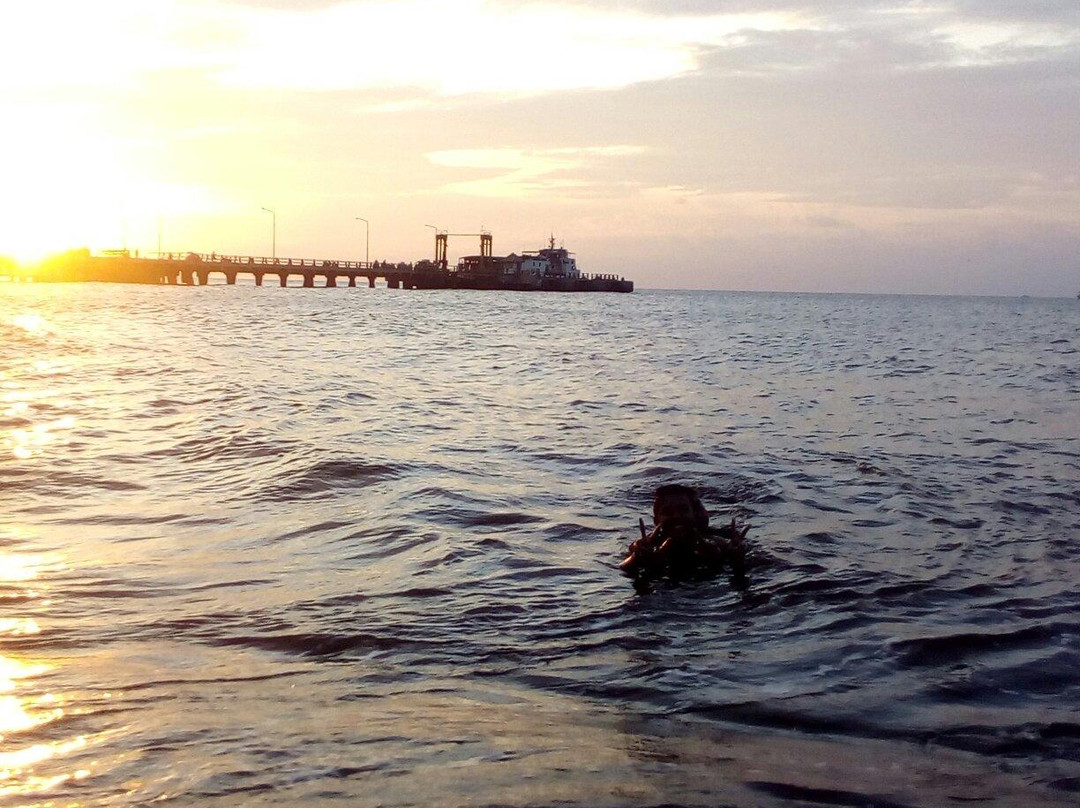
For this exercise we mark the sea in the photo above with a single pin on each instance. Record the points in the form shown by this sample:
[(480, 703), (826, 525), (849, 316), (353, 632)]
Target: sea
[(359, 547)]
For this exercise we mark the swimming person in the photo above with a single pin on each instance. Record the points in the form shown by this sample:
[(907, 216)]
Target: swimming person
[(682, 545)]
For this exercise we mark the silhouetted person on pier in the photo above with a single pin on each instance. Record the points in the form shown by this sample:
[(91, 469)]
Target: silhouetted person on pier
[(681, 545)]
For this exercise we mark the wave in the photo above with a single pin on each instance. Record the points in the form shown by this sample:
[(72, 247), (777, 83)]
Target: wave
[(953, 647), (332, 475)]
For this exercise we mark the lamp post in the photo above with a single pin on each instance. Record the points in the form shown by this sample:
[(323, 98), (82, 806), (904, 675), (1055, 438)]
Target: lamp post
[(367, 240), (433, 227), (273, 242)]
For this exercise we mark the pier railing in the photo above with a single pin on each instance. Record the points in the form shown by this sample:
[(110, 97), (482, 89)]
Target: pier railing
[(276, 263)]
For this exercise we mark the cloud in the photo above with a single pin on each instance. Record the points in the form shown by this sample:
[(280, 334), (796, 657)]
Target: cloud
[(460, 48), (521, 173), (450, 48), (1062, 12)]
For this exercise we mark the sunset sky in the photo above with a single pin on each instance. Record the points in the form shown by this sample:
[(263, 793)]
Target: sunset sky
[(822, 145)]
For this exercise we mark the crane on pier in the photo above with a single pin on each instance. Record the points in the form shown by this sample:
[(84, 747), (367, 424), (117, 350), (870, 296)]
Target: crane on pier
[(442, 236)]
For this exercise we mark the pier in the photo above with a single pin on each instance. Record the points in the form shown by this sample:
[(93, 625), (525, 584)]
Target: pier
[(197, 269)]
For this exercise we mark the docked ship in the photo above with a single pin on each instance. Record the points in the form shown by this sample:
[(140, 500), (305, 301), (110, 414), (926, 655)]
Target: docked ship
[(551, 269)]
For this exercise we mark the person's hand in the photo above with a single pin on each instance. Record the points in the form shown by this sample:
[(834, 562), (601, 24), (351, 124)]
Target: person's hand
[(641, 550), (658, 539), (736, 546)]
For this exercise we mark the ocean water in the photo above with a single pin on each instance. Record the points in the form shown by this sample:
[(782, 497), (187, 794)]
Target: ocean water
[(359, 547)]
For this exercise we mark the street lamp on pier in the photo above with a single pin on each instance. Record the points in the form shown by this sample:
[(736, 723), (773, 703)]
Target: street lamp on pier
[(367, 240), (433, 227), (273, 236)]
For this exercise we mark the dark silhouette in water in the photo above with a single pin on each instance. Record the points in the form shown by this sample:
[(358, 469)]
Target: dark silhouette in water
[(682, 546)]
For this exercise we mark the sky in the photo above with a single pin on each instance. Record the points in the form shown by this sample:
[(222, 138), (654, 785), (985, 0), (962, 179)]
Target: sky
[(821, 145)]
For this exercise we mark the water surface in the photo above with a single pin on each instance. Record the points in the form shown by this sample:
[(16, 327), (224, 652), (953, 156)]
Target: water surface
[(358, 547)]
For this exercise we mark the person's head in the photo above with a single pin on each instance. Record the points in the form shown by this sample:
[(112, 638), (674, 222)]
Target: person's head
[(676, 504)]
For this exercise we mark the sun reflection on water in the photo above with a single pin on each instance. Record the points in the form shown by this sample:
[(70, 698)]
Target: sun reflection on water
[(32, 323), (27, 443), (17, 781), (24, 714), (25, 707), (22, 401), (21, 714), (21, 567), (24, 439), (19, 626)]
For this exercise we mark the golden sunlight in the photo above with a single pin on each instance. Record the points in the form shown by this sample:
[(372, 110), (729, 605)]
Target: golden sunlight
[(15, 568), (26, 443), (20, 714), (19, 626), (16, 765), (66, 186), (14, 716), (12, 669), (32, 322), (19, 568)]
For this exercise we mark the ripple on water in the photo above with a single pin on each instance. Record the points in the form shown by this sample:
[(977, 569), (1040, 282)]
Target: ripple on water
[(336, 474)]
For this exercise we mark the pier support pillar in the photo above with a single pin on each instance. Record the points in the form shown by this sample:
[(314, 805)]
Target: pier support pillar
[(392, 283), (258, 278), (204, 278), (331, 280), (309, 281), (230, 278), (284, 279), (186, 277), (371, 281), (352, 281)]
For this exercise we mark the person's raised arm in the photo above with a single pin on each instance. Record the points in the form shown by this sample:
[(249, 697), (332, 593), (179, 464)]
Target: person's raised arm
[(642, 551)]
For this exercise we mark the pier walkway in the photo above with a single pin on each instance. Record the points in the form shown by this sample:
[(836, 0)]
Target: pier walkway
[(196, 269)]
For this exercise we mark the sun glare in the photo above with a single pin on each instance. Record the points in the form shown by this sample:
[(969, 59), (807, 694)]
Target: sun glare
[(17, 568), (32, 323), (67, 185), (89, 165)]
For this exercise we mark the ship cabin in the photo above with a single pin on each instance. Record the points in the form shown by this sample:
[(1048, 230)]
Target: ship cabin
[(559, 261), (551, 262)]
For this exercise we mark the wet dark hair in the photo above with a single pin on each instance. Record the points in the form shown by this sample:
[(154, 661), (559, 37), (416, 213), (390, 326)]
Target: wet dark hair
[(680, 490)]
